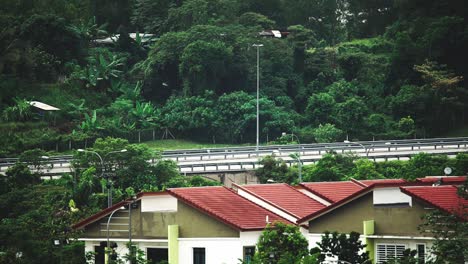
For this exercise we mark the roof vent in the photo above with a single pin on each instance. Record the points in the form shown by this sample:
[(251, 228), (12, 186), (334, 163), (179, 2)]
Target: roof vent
[(438, 182)]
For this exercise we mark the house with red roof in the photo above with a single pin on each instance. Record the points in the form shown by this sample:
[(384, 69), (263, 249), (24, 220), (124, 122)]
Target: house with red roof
[(181, 225), (388, 213), (222, 225), (282, 199)]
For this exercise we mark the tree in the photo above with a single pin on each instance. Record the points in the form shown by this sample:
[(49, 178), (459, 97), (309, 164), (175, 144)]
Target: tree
[(281, 243), (320, 108), (331, 167), (366, 169), (203, 64), (275, 169), (19, 176), (251, 19), (150, 16), (327, 133), (343, 247)]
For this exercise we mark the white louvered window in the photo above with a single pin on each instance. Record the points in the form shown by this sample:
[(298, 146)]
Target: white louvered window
[(387, 252)]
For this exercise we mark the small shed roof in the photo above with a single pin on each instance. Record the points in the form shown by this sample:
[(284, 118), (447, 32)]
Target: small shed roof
[(43, 106)]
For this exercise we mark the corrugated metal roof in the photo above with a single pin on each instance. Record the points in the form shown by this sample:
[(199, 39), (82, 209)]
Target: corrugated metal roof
[(285, 197), (43, 106)]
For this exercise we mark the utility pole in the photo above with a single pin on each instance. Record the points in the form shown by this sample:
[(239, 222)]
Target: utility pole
[(258, 94)]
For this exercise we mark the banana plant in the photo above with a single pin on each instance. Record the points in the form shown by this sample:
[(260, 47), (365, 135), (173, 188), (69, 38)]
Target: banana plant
[(90, 123)]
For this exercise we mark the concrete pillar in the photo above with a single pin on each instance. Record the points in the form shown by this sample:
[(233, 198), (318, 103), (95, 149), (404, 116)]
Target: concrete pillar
[(368, 229), (173, 243)]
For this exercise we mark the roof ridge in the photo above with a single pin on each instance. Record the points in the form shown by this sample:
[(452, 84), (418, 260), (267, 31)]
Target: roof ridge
[(259, 205), (266, 201), (339, 203), (317, 193), (361, 184)]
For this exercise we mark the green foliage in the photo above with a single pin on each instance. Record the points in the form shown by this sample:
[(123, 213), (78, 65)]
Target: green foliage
[(21, 111), (274, 169), (203, 63), (135, 255), (19, 176), (331, 167), (327, 133), (342, 246), (251, 19), (281, 243), (365, 170), (37, 219)]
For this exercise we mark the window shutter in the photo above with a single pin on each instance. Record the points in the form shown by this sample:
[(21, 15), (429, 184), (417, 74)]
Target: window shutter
[(387, 252)]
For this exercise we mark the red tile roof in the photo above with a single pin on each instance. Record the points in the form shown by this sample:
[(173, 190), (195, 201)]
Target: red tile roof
[(382, 181), (442, 197), (333, 191), (227, 206), (285, 197), (445, 179)]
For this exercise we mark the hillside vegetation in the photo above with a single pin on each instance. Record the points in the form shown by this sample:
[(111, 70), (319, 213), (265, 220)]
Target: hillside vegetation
[(362, 69)]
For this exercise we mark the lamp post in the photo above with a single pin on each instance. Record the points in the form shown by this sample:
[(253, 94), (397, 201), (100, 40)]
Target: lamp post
[(108, 184), (297, 157), (366, 150), (108, 222), (258, 92), (131, 247)]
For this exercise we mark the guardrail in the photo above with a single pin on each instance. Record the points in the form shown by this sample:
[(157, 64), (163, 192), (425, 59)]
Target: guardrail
[(252, 165), (196, 158)]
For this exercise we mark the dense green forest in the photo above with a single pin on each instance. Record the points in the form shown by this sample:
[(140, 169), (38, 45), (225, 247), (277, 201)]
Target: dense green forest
[(365, 69)]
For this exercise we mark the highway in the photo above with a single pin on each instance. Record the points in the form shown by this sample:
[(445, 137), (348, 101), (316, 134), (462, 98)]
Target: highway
[(246, 158)]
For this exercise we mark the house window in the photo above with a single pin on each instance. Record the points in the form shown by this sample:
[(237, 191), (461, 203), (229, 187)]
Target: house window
[(249, 252), (198, 255), (156, 255), (421, 248), (387, 252)]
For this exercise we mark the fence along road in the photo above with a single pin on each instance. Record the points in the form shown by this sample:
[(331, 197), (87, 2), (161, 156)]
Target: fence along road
[(234, 159)]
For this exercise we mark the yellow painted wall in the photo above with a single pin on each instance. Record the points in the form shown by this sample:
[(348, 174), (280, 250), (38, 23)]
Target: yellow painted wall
[(154, 225)]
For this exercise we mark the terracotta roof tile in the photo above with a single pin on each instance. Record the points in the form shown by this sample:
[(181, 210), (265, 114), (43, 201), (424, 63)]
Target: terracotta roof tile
[(285, 197), (333, 191), (378, 181), (227, 206), (443, 197), (445, 179)]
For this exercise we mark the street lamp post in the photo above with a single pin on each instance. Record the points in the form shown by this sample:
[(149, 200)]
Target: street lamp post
[(298, 156), (108, 184), (258, 92), (108, 222), (366, 150)]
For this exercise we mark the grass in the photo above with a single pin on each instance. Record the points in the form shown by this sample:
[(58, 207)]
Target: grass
[(171, 144)]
